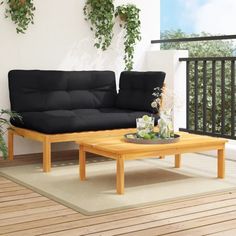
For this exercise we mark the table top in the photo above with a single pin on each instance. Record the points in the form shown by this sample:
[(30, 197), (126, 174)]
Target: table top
[(113, 141)]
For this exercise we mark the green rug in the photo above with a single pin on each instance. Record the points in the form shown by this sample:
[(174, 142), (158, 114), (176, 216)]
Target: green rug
[(147, 181)]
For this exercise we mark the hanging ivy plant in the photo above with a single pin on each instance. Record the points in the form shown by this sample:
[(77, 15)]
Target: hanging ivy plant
[(21, 12), (101, 15), (129, 16)]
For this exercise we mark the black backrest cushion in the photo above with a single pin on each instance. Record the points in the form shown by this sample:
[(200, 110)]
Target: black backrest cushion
[(38, 90), (136, 89)]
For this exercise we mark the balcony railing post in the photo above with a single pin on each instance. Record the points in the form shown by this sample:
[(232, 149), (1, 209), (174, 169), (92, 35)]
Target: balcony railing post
[(196, 95), (213, 110), (187, 93), (233, 108), (223, 97), (204, 95)]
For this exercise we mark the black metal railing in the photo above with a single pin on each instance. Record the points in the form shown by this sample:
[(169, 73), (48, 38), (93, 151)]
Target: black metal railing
[(210, 91), (211, 96)]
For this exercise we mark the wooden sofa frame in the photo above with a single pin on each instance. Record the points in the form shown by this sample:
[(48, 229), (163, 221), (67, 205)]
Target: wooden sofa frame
[(46, 139)]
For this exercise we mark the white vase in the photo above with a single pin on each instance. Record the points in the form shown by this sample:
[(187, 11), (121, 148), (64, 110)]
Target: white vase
[(165, 124)]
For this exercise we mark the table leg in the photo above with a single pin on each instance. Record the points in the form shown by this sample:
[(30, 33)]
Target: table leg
[(177, 160), (221, 163), (120, 176), (82, 163)]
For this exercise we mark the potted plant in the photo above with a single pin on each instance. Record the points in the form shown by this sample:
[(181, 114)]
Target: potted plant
[(162, 105), (21, 13), (5, 116), (101, 15), (129, 16)]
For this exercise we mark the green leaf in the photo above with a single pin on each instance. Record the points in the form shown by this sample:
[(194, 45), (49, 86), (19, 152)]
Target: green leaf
[(100, 13), (3, 147), (130, 15), (5, 115), (21, 13)]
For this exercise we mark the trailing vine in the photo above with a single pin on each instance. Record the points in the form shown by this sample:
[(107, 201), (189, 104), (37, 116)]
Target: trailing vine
[(21, 13), (129, 15), (101, 15)]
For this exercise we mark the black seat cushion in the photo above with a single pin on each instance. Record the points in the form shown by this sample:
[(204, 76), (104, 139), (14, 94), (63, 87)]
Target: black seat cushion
[(40, 90), (136, 89), (66, 121), (71, 101)]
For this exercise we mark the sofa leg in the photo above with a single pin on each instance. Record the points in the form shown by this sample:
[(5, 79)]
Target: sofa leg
[(10, 144), (46, 155)]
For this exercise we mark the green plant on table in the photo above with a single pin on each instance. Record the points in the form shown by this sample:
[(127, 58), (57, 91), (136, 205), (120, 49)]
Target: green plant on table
[(129, 15), (163, 106), (5, 116), (21, 13), (101, 15)]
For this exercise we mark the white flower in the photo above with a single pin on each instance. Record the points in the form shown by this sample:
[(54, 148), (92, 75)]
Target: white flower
[(154, 104)]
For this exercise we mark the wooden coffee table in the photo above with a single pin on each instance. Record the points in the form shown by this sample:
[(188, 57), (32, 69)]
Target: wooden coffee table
[(111, 144)]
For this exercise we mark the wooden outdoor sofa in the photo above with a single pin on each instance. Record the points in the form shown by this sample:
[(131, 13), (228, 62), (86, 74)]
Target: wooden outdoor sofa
[(59, 106)]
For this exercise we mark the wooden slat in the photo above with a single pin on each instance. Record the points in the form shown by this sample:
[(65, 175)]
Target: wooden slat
[(169, 226), (136, 224), (3, 180), (8, 184), (161, 150), (30, 134), (36, 217), (11, 188), (28, 211), (18, 197), (22, 201), (55, 218), (210, 229), (163, 209), (15, 193), (4, 210), (221, 232), (116, 144), (210, 214), (106, 223)]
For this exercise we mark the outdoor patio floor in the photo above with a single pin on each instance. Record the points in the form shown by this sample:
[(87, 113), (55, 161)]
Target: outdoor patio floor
[(24, 212)]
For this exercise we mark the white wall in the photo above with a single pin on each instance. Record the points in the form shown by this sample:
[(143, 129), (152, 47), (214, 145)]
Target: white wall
[(168, 61), (61, 39)]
